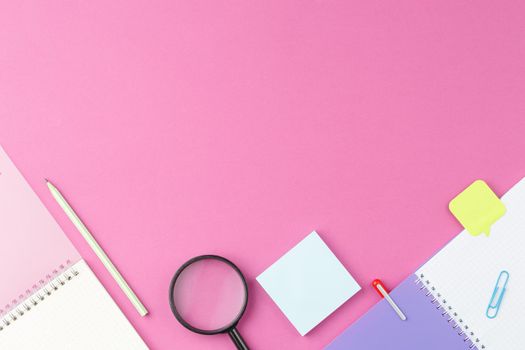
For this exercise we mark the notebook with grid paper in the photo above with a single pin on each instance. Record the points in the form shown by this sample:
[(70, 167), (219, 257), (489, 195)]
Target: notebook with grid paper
[(446, 299), (49, 298)]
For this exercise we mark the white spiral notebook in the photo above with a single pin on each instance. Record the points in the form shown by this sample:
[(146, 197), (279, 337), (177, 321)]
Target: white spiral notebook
[(49, 298), (447, 300), (464, 273)]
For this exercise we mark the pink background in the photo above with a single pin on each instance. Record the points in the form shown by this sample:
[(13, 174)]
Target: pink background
[(179, 128)]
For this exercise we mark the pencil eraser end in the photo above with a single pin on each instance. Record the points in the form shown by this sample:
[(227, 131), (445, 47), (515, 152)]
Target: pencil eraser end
[(375, 284)]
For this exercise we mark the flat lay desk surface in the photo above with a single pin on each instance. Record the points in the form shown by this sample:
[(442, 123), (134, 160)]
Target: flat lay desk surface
[(179, 128)]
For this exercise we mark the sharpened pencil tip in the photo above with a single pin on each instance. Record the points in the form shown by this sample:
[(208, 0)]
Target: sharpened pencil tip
[(46, 180)]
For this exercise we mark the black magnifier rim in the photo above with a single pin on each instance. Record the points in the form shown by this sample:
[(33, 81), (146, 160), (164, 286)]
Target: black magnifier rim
[(179, 318)]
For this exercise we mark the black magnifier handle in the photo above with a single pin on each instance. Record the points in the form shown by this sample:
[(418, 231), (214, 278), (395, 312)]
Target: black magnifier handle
[(237, 339)]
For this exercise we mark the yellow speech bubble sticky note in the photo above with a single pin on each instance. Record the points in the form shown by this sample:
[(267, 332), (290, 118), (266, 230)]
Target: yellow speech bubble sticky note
[(477, 208)]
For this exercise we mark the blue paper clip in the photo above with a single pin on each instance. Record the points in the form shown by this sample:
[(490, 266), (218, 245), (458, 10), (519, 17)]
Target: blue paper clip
[(501, 283)]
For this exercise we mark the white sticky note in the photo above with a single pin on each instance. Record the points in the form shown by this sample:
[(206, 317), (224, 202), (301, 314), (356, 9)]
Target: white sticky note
[(308, 283)]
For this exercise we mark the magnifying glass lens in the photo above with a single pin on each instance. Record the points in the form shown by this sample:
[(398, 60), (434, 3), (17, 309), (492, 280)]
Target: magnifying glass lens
[(209, 294)]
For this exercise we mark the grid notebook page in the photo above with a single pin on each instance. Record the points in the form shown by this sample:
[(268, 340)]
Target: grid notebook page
[(464, 274), (72, 311)]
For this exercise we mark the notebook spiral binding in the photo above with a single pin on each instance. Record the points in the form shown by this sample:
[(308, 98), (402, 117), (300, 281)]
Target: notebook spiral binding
[(447, 311), (39, 284), (36, 298)]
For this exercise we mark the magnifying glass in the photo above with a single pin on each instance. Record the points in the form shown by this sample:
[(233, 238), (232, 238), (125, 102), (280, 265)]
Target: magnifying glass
[(208, 295)]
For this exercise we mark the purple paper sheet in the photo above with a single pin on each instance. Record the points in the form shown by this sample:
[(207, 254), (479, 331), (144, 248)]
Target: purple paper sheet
[(425, 328)]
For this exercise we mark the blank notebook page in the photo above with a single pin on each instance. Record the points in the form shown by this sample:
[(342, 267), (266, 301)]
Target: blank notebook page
[(78, 314)]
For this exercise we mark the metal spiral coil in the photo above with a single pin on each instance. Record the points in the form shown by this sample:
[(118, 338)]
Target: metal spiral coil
[(448, 312), (36, 298)]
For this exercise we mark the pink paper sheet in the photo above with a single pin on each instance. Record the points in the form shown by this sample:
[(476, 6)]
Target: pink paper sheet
[(33, 247)]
